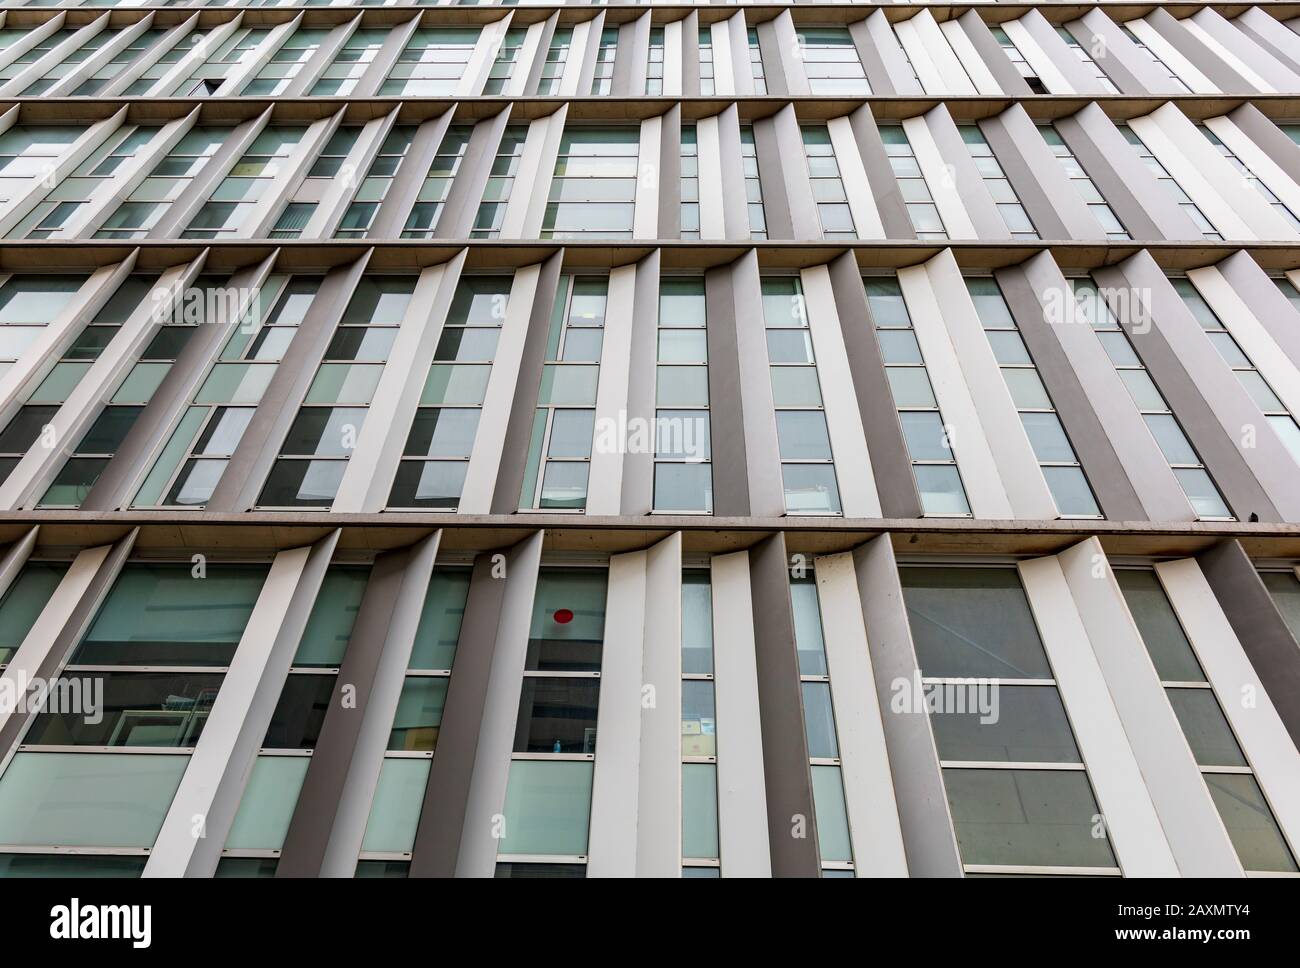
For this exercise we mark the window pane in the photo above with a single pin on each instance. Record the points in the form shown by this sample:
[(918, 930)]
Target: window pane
[(151, 617), (1283, 586), (395, 810), (819, 721), (557, 715), (22, 604), (548, 805), (1070, 490), (136, 709), (1026, 817), (972, 622), (683, 487), (300, 712), (832, 815), (1017, 724), (332, 617), (940, 489), (439, 629), (419, 714), (699, 810), (568, 625), (1165, 640), (303, 483), (268, 803), (697, 623), (808, 627), (1250, 822), (699, 725), (802, 435), (87, 799), (1206, 729), (810, 488)]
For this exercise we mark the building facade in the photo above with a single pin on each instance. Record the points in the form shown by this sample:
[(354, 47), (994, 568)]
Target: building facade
[(875, 423)]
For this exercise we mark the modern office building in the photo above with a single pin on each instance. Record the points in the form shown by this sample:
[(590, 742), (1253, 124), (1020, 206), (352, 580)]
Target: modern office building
[(846, 439)]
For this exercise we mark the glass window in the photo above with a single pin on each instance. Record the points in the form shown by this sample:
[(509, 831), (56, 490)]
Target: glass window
[(593, 190), (548, 805)]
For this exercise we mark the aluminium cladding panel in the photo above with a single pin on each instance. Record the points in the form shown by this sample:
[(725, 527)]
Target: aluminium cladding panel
[(606, 469), (38, 359), (408, 180), (1175, 338), (1264, 635), (135, 456), (329, 821), (217, 772), (895, 486), (1132, 824), (979, 471), (522, 385), (1242, 51), (853, 467), (1244, 695), (1243, 492), (929, 840), (874, 827), (15, 557), (1191, 823), (1275, 164), (368, 476), (638, 464), (1265, 301), (258, 448), (746, 459), (1077, 383), (1250, 334), (1207, 61), (485, 792), (792, 825), (636, 780), (743, 840), (29, 479), (1055, 207), (59, 627), (886, 195), (1147, 210)]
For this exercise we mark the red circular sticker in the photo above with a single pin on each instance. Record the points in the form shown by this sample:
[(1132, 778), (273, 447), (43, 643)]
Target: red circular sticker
[(563, 616)]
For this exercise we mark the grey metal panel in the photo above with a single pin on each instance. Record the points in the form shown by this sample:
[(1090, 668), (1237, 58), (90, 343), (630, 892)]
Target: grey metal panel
[(877, 61), (1202, 58), (776, 201), (1281, 150), (406, 184), (788, 779), (670, 173), (262, 700), (543, 46), (1274, 36), (631, 56), (113, 489), (178, 214), (691, 55), (928, 835), (1057, 210), (769, 48), (15, 557), (335, 799), (396, 41), (1242, 492), (789, 162), (258, 448), (1045, 35), (746, 460), (1147, 210), (638, 467), (1273, 310), (884, 186), (1241, 44), (437, 838), (514, 453), (322, 58), (975, 197), (78, 621), (1259, 626), (461, 207), (735, 202), (1122, 61), (993, 56), (1114, 491), (890, 461)]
